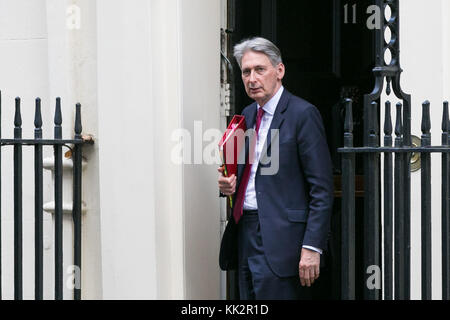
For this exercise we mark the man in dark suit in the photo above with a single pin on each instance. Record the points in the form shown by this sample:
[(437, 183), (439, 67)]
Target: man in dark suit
[(283, 194)]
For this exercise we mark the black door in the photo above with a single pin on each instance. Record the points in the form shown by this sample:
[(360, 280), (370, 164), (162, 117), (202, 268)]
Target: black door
[(328, 52)]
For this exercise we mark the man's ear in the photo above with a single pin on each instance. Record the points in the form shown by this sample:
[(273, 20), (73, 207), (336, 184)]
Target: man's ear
[(280, 71)]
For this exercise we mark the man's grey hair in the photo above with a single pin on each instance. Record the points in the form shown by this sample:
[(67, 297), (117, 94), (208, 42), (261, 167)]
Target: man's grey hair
[(257, 44)]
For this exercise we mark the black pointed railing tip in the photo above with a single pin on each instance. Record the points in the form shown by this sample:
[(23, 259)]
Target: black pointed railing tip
[(58, 119), (373, 125), (38, 115), (426, 121), (348, 124), (58, 114), (372, 118), (445, 120), (388, 85), (17, 116), (78, 127), (387, 119), (398, 120)]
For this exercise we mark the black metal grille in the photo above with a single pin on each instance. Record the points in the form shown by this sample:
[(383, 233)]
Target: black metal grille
[(394, 192), (397, 182), (38, 143)]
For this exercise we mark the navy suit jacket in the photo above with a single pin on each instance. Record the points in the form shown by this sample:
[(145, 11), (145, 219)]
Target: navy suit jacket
[(295, 203)]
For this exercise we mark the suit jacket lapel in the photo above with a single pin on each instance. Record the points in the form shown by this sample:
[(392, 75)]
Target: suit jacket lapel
[(277, 121), (250, 120)]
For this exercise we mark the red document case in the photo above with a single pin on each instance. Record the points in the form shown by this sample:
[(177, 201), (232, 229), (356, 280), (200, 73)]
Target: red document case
[(232, 143)]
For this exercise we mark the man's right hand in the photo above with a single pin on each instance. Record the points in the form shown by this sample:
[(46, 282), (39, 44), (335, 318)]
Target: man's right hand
[(227, 185)]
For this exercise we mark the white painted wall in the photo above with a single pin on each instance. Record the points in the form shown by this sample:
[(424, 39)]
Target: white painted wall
[(424, 54), (446, 47), (158, 70), (125, 147), (423, 60), (200, 80)]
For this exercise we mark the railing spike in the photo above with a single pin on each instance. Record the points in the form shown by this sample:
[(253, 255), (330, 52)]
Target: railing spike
[(78, 127), (372, 116), (388, 85), (377, 123), (348, 125), (58, 119), (398, 120), (58, 115), (38, 115), (445, 122), (17, 116), (373, 124), (387, 119), (426, 122)]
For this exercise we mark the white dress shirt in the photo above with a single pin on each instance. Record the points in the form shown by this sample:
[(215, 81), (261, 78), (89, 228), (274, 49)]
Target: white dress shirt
[(250, 202)]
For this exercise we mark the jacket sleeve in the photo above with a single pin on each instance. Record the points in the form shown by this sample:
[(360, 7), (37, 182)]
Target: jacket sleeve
[(316, 165)]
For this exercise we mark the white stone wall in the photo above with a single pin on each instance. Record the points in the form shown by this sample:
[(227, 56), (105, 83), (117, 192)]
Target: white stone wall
[(160, 220), (200, 81), (424, 57), (150, 227), (423, 60)]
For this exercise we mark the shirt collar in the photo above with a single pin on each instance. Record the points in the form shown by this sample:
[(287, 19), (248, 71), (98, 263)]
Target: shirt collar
[(271, 105)]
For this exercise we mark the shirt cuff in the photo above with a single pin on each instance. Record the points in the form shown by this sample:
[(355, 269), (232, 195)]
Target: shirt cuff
[(313, 249)]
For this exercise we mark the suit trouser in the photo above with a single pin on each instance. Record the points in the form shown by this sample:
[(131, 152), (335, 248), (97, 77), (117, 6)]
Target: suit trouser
[(256, 279)]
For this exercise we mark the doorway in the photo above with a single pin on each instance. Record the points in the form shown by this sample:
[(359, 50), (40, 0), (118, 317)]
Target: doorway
[(329, 54)]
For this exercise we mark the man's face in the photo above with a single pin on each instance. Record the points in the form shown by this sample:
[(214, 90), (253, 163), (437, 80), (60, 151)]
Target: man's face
[(261, 79)]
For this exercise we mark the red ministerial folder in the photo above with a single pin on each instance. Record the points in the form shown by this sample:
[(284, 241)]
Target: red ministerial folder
[(231, 145)]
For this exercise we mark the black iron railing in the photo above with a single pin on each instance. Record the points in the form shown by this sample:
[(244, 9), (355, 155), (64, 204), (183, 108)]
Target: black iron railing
[(38, 143), (397, 180), (394, 227)]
